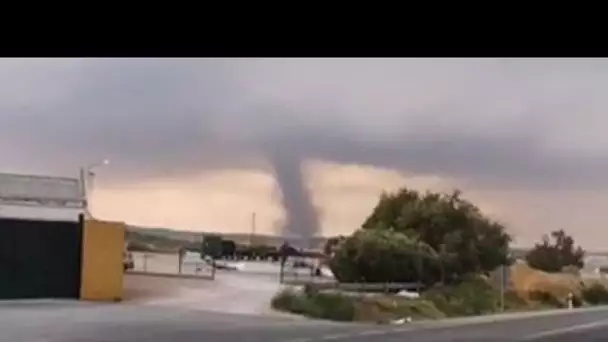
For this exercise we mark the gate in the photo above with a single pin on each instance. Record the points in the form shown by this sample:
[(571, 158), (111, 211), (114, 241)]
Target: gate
[(40, 259)]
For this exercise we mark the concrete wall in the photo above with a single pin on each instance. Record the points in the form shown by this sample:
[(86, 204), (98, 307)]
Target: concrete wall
[(102, 258)]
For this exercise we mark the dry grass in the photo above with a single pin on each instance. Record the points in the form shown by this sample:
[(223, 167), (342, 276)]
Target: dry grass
[(526, 280), (382, 309), (336, 306)]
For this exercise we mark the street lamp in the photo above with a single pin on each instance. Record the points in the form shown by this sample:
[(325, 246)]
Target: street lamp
[(86, 178)]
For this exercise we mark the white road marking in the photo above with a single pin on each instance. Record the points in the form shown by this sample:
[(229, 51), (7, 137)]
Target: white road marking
[(565, 330), (336, 336), (404, 329), (373, 332), (341, 336)]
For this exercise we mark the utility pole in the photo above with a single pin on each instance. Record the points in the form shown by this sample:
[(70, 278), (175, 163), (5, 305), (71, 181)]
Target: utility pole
[(252, 229), (442, 256), (84, 192), (86, 183), (502, 288), (504, 280)]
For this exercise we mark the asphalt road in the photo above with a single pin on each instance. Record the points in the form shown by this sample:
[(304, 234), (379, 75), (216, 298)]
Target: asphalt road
[(55, 321)]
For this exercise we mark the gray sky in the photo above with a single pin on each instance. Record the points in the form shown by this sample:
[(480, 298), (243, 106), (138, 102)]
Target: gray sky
[(530, 124)]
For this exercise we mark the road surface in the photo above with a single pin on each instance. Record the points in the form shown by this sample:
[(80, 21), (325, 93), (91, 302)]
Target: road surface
[(231, 292), (57, 321)]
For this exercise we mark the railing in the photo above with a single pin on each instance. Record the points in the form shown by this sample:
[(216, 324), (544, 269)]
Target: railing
[(169, 264), (356, 287)]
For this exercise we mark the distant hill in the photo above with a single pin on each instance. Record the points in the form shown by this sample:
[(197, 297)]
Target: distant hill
[(171, 240), (518, 252)]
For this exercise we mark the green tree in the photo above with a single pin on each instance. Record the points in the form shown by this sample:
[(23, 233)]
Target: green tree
[(384, 256), (331, 244), (465, 240), (554, 256)]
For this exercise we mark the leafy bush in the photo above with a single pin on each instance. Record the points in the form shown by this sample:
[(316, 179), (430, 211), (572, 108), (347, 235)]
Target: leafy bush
[(377, 256), (474, 296), (337, 307), (470, 297), (418, 308), (548, 299), (514, 302), (545, 298), (595, 294), (464, 240), (556, 255), (330, 306), (383, 309)]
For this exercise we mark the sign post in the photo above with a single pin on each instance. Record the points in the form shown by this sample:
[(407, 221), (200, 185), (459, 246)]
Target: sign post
[(502, 288), (500, 278)]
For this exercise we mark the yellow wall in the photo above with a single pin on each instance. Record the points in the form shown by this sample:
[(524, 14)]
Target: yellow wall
[(102, 257)]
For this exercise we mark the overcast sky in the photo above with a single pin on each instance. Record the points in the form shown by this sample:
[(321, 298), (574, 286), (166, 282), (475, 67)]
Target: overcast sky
[(535, 127)]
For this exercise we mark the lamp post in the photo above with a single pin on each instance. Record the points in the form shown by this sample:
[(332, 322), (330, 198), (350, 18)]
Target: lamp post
[(504, 281), (86, 175)]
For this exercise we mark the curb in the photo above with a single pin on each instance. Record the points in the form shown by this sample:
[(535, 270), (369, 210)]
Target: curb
[(500, 317)]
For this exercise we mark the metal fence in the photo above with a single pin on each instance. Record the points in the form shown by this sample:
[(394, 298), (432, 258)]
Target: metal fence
[(309, 271), (169, 264), (365, 287)]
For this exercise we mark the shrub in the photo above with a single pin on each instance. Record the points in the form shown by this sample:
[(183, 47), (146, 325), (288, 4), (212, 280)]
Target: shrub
[(337, 307), (553, 256), (548, 299), (474, 296), (418, 308), (464, 240), (595, 294), (330, 306), (384, 308), (513, 301), (378, 256)]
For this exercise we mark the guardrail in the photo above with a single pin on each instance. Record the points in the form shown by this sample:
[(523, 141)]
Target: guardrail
[(356, 287)]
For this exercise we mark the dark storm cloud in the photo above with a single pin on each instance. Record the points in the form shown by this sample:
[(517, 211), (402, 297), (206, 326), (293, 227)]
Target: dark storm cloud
[(530, 123), (148, 116)]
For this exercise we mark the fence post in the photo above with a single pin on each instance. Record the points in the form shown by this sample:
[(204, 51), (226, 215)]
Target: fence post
[(180, 259), (419, 270), (502, 288), (145, 262)]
